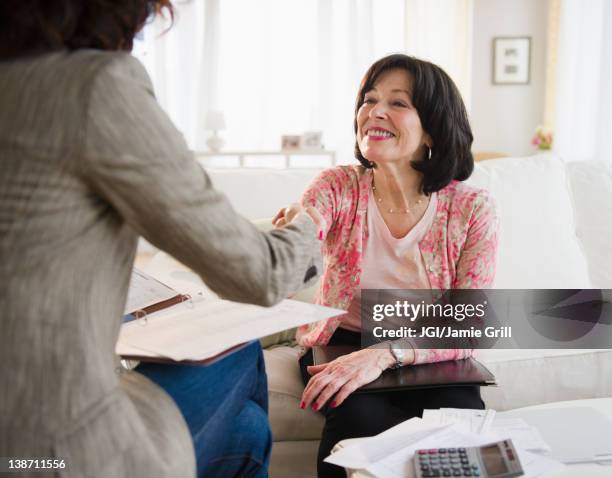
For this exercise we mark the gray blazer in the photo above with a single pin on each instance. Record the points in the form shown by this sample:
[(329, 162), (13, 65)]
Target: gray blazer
[(89, 163)]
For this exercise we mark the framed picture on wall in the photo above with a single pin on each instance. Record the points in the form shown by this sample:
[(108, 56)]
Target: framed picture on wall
[(511, 60)]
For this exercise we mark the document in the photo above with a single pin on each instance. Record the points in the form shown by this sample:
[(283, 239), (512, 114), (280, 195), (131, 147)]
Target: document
[(475, 421), (205, 325), (575, 434), (146, 291), (198, 330), (522, 434)]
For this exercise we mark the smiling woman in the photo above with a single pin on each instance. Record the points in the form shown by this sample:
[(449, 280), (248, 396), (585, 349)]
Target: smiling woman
[(422, 229)]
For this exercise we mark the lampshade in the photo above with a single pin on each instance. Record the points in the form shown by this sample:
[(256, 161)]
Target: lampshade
[(214, 121)]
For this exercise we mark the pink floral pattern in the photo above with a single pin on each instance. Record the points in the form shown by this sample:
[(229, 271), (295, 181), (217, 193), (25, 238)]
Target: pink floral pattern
[(459, 250)]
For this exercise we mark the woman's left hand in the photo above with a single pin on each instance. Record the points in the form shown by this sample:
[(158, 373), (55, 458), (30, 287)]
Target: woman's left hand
[(343, 376)]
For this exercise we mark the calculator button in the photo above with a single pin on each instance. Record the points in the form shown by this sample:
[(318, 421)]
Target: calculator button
[(467, 473), (452, 450), (457, 473), (446, 473), (442, 450), (422, 452), (476, 473), (464, 461)]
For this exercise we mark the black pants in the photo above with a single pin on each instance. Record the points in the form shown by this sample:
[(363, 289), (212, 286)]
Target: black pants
[(368, 414)]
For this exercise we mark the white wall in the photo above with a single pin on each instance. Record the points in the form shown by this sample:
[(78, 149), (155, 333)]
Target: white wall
[(504, 117)]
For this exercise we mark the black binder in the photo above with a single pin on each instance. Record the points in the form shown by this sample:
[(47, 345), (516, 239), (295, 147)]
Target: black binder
[(452, 373)]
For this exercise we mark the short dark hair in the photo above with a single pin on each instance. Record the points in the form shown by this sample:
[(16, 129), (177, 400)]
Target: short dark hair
[(30, 26), (443, 116)]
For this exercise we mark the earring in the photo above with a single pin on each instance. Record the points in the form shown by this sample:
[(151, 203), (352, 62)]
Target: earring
[(429, 155)]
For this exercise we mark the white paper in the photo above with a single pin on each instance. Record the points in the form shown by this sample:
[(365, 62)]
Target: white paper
[(367, 451), (520, 432), (475, 421), (197, 331), (399, 464), (145, 291), (176, 275)]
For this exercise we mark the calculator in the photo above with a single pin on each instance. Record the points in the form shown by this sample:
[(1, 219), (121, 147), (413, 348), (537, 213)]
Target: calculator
[(495, 460)]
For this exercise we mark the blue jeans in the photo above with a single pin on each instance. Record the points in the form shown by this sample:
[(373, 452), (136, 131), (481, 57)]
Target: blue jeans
[(225, 406)]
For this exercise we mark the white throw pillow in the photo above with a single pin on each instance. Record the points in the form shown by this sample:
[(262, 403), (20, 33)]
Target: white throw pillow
[(592, 194), (538, 246)]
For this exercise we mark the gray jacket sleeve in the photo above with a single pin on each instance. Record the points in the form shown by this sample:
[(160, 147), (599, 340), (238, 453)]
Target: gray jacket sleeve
[(137, 161)]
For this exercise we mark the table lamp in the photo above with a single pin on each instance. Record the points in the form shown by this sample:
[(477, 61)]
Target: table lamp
[(215, 122)]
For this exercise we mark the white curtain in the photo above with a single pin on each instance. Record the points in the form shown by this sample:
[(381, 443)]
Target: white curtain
[(583, 107), (440, 31), (277, 67)]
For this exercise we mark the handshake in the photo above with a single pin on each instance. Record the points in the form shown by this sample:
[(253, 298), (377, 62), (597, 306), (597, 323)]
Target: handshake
[(288, 214)]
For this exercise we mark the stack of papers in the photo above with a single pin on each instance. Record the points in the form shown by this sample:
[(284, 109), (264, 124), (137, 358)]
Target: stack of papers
[(390, 454), (486, 422)]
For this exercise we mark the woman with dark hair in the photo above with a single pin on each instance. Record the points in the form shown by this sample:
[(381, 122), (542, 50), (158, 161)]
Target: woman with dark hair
[(401, 220), (89, 163)]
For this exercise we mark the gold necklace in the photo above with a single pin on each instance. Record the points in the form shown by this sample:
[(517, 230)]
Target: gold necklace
[(390, 210)]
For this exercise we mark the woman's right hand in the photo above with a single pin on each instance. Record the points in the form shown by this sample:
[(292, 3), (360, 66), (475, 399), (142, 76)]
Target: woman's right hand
[(287, 214)]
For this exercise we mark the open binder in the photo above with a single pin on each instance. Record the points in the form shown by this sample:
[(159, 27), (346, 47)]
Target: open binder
[(164, 325), (452, 373), (148, 295)]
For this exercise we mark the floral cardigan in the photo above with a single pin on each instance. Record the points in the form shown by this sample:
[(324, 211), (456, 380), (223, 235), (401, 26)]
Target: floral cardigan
[(459, 250)]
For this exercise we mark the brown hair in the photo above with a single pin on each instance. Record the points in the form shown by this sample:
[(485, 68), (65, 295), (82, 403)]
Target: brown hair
[(28, 26), (442, 114)]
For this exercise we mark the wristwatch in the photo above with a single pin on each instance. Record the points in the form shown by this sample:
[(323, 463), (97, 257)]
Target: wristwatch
[(398, 353)]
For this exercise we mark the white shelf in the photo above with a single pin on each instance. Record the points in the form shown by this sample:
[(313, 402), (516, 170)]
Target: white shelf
[(288, 154)]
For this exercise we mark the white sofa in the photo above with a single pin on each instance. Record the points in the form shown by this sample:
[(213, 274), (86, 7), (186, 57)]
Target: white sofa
[(556, 230)]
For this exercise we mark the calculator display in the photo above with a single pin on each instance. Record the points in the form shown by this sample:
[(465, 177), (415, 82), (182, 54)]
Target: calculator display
[(493, 460)]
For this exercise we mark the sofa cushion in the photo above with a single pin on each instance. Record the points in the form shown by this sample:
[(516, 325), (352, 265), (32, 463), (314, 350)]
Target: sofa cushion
[(538, 246), (288, 421), (592, 194), (530, 377), (257, 193)]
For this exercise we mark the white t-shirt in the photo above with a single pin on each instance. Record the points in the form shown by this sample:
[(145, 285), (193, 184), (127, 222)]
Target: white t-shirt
[(389, 262)]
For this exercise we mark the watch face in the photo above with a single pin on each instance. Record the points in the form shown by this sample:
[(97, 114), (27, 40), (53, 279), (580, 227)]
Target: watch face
[(397, 352)]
